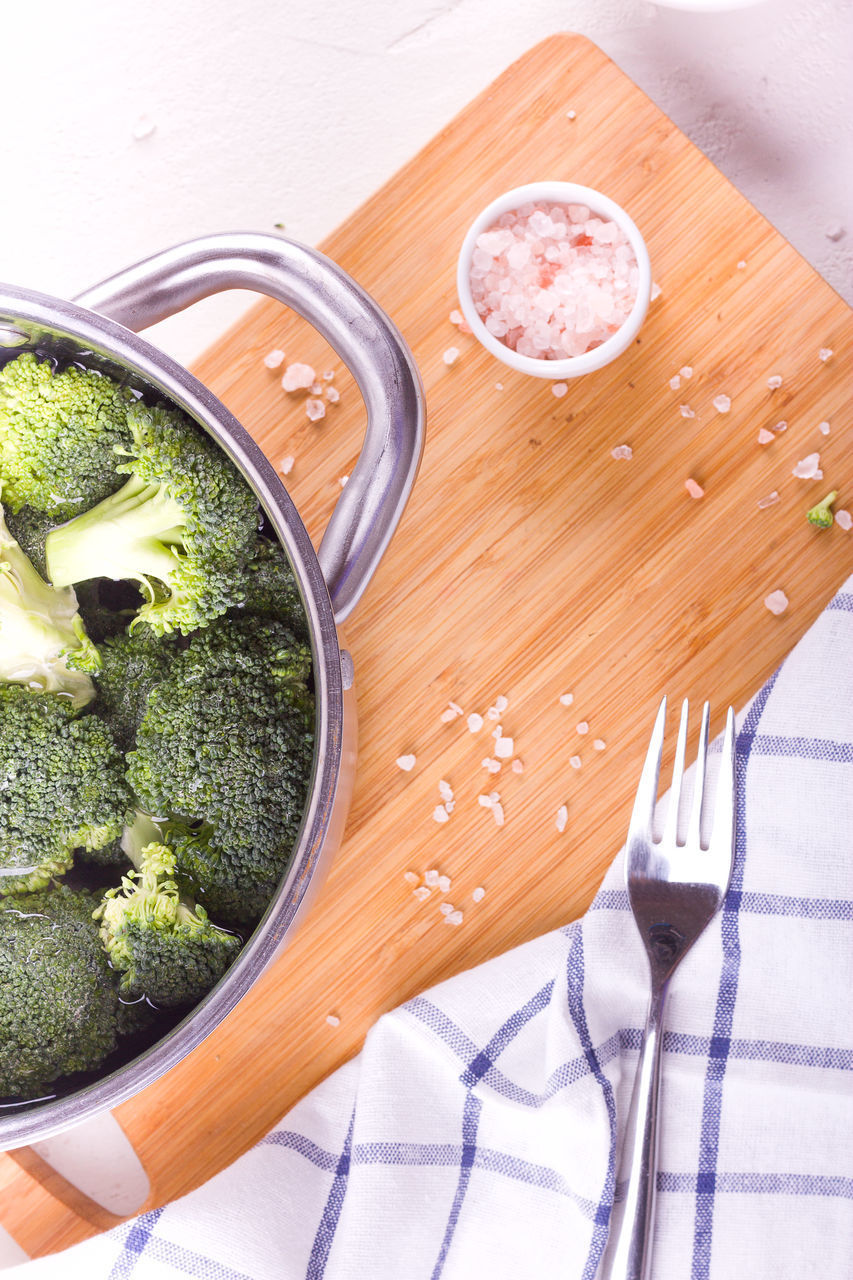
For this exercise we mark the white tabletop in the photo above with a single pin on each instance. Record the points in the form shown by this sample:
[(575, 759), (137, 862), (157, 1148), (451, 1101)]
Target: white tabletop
[(130, 127)]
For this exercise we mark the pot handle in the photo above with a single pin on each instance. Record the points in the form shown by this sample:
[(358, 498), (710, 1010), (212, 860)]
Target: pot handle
[(369, 508)]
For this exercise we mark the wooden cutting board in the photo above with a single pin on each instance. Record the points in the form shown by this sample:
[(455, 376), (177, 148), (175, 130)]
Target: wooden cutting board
[(529, 564)]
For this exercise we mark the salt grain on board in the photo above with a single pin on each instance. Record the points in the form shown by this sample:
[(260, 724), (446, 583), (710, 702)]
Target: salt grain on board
[(453, 917), (517, 765), (824, 428), (776, 602), (406, 763), (562, 817), (686, 411), (431, 878), (774, 382), (315, 410), (575, 762), (440, 813), (343, 481), (686, 371), (722, 403), (493, 766), (297, 377), (444, 884), (504, 748), (286, 464), (599, 744), (273, 359), (451, 355), (825, 354), (333, 1020), (583, 727), (844, 520), (695, 490), (475, 722), (655, 293), (446, 907), (675, 382), (559, 389), (479, 894), (566, 699), (332, 395), (622, 451), (411, 877), (445, 790), (808, 468), (421, 894), (770, 500), (765, 436)]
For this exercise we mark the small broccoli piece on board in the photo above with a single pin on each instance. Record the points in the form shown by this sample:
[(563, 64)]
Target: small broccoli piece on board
[(59, 433), (164, 946), (183, 526), (58, 998), (63, 788), (43, 642), (821, 514), (225, 752)]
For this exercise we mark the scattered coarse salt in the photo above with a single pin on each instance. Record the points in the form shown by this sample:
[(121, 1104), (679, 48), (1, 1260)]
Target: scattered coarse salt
[(328, 375), (446, 907), (768, 501), (504, 748), (566, 699), (484, 801), (316, 388), (765, 436), (445, 790), (406, 763), (456, 317), (808, 468), (776, 602), (431, 878), (622, 451), (411, 877), (501, 704), (562, 817), (297, 377), (333, 1020), (583, 727), (498, 813), (444, 884), (286, 464), (599, 744), (273, 359), (493, 766), (559, 389), (552, 281), (844, 520), (453, 917), (675, 382), (517, 765), (695, 490), (450, 805), (774, 382), (451, 355), (440, 813), (655, 292), (571, 115), (825, 354), (686, 411), (722, 404), (575, 762), (315, 410), (451, 712), (479, 894), (143, 128), (741, 266), (779, 427), (824, 428), (333, 395), (474, 722), (686, 371), (421, 893), (343, 481)]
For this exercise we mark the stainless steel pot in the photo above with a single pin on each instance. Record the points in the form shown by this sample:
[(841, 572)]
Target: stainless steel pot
[(100, 328)]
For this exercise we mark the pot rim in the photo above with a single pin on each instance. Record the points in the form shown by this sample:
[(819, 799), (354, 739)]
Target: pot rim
[(41, 318)]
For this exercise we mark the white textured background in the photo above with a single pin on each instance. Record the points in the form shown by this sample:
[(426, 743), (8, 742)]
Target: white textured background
[(294, 112)]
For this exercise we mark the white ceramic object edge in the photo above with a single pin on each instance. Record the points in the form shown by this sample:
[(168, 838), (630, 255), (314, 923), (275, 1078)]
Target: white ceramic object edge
[(558, 193)]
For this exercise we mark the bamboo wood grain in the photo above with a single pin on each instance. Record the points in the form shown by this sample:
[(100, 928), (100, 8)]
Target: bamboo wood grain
[(529, 563)]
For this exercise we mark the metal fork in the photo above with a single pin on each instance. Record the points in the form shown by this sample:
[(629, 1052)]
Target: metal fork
[(675, 887)]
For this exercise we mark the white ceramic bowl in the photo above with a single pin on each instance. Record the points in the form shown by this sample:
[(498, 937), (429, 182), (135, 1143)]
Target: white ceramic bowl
[(557, 193)]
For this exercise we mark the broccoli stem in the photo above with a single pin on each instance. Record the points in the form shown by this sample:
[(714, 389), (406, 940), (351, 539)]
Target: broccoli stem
[(136, 533)]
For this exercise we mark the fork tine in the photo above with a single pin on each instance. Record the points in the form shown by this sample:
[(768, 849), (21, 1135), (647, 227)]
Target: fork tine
[(670, 832), (694, 827), (723, 831), (644, 802)]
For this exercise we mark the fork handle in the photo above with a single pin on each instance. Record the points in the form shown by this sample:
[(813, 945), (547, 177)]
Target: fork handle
[(629, 1243)]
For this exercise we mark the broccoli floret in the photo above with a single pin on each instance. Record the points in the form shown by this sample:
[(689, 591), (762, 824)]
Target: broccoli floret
[(270, 590), (821, 514), (43, 643), (183, 526), (131, 666), (165, 947), (30, 528), (224, 752), (59, 433), (63, 787), (58, 999)]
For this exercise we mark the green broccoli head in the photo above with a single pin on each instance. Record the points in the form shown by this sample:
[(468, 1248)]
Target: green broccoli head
[(59, 433), (131, 666), (63, 787), (165, 948), (821, 513), (225, 752), (43, 642), (58, 999), (270, 590), (183, 526)]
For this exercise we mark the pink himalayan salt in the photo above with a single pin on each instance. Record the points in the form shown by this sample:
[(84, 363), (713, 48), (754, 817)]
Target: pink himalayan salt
[(622, 451), (776, 602), (552, 281), (844, 520), (808, 468), (695, 490), (315, 410), (765, 436), (722, 403), (297, 377), (770, 500)]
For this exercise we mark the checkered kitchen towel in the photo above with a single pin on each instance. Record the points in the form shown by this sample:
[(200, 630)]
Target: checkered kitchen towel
[(477, 1134)]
